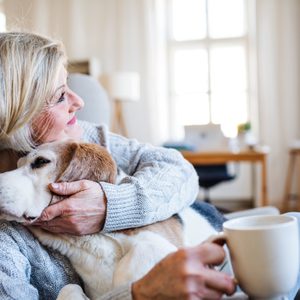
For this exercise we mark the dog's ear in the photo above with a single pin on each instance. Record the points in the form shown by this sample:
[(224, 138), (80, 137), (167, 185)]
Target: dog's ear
[(86, 161)]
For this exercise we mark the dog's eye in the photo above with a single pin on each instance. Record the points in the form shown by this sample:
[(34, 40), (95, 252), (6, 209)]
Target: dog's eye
[(39, 162)]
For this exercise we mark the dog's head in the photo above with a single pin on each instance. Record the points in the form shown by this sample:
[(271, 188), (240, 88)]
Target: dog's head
[(24, 192)]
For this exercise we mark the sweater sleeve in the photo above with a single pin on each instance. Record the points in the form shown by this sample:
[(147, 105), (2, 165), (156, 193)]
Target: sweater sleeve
[(14, 272), (30, 271), (158, 184)]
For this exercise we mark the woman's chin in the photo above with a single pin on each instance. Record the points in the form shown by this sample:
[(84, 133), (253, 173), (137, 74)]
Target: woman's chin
[(74, 131), (69, 132)]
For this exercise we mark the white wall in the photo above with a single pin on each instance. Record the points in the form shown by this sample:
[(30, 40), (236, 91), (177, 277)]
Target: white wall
[(278, 45), (111, 31)]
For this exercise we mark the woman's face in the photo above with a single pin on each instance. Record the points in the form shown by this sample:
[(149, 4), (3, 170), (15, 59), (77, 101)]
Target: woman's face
[(58, 120)]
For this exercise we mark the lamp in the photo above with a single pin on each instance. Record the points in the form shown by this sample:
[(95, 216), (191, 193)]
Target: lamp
[(122, 87)]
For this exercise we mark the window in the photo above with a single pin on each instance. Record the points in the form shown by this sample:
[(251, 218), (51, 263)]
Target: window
[(208, 63)]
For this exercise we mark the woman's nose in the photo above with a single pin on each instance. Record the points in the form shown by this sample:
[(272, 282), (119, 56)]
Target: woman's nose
[(75, 101)]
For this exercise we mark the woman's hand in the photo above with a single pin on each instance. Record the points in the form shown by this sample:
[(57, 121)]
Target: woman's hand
[(186, 274), (82, 212)]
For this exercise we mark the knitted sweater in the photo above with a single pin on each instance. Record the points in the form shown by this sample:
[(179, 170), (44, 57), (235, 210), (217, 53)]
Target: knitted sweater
[(158, 183)]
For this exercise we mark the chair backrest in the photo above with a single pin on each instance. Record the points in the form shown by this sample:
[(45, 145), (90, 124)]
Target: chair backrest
[(97, 105), (211, 175)]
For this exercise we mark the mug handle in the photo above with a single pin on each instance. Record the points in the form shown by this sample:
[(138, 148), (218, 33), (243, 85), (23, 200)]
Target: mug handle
[(218, 238)]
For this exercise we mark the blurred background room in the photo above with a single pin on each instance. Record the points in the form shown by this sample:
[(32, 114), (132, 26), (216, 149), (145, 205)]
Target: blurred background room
[(216, 78)]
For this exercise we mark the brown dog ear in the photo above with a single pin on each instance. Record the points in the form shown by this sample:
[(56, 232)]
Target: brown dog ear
[(86, 161)]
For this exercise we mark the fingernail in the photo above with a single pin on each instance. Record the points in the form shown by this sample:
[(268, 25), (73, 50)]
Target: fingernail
[(55, 185)]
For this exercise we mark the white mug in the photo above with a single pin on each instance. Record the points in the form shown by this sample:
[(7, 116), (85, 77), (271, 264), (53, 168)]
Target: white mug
[(264, 252)]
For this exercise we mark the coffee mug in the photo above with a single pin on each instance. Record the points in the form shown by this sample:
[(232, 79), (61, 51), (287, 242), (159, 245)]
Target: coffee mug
[(264, 253)]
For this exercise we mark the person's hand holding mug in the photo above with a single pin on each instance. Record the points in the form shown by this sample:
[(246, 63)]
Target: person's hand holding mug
[(264, 253), (186, 274)]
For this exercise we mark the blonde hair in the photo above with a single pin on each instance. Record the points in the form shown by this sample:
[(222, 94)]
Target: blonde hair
[(29, 68)]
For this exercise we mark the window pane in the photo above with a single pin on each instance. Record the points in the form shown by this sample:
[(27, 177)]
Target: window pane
[(228, 69), (190, 71), (229, 109), (192, 109), (226, 18), (188, 19)]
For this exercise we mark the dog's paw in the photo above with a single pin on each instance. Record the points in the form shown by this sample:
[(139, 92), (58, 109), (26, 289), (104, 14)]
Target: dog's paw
[(72, 291)]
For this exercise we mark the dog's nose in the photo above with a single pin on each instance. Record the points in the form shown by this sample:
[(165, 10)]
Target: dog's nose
[(28, 218)]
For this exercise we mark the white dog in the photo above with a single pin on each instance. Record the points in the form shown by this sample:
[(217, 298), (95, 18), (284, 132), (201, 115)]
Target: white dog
[(103, 261)]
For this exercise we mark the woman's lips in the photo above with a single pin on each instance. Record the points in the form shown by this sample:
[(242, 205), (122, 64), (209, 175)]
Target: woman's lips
[(72, 121)]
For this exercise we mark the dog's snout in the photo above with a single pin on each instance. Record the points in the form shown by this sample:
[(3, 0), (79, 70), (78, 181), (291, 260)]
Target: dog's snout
[(16, 194), (29, 218)]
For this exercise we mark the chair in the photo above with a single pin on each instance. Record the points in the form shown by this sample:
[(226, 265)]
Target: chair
[(96, 103), (212, 175), (289, 199)]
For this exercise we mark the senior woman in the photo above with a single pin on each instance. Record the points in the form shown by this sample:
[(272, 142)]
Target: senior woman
[(36, 106)]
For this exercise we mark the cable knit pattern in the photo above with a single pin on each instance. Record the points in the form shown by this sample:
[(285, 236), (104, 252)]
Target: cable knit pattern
[(159, 183), (27, 269)]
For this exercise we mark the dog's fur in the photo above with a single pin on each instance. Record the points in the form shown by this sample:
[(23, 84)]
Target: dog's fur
[(102, 260)]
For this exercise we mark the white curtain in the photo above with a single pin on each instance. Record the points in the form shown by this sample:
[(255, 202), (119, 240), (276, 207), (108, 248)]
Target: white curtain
[(129, 35), (125, 35), (278, 53)]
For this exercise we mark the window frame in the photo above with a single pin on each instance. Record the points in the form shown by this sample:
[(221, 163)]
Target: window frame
[(209, 43)]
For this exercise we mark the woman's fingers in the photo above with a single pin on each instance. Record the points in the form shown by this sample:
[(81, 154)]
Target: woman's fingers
[(59, 206), (58, 209), (185, 274), (76, 225), (208, 253), (202, 258), (197, 289), (220, 282), (68, 188), (83, 212)]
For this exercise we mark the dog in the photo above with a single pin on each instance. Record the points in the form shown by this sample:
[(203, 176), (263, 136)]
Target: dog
[(102, 260)]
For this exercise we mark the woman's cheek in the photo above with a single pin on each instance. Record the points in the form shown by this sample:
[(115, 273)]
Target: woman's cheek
[(41, 126), (56, 131), (50, 126)]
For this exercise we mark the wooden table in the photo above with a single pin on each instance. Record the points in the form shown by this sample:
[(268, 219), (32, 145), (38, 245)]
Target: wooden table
[(294, 155), (220, 157)]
